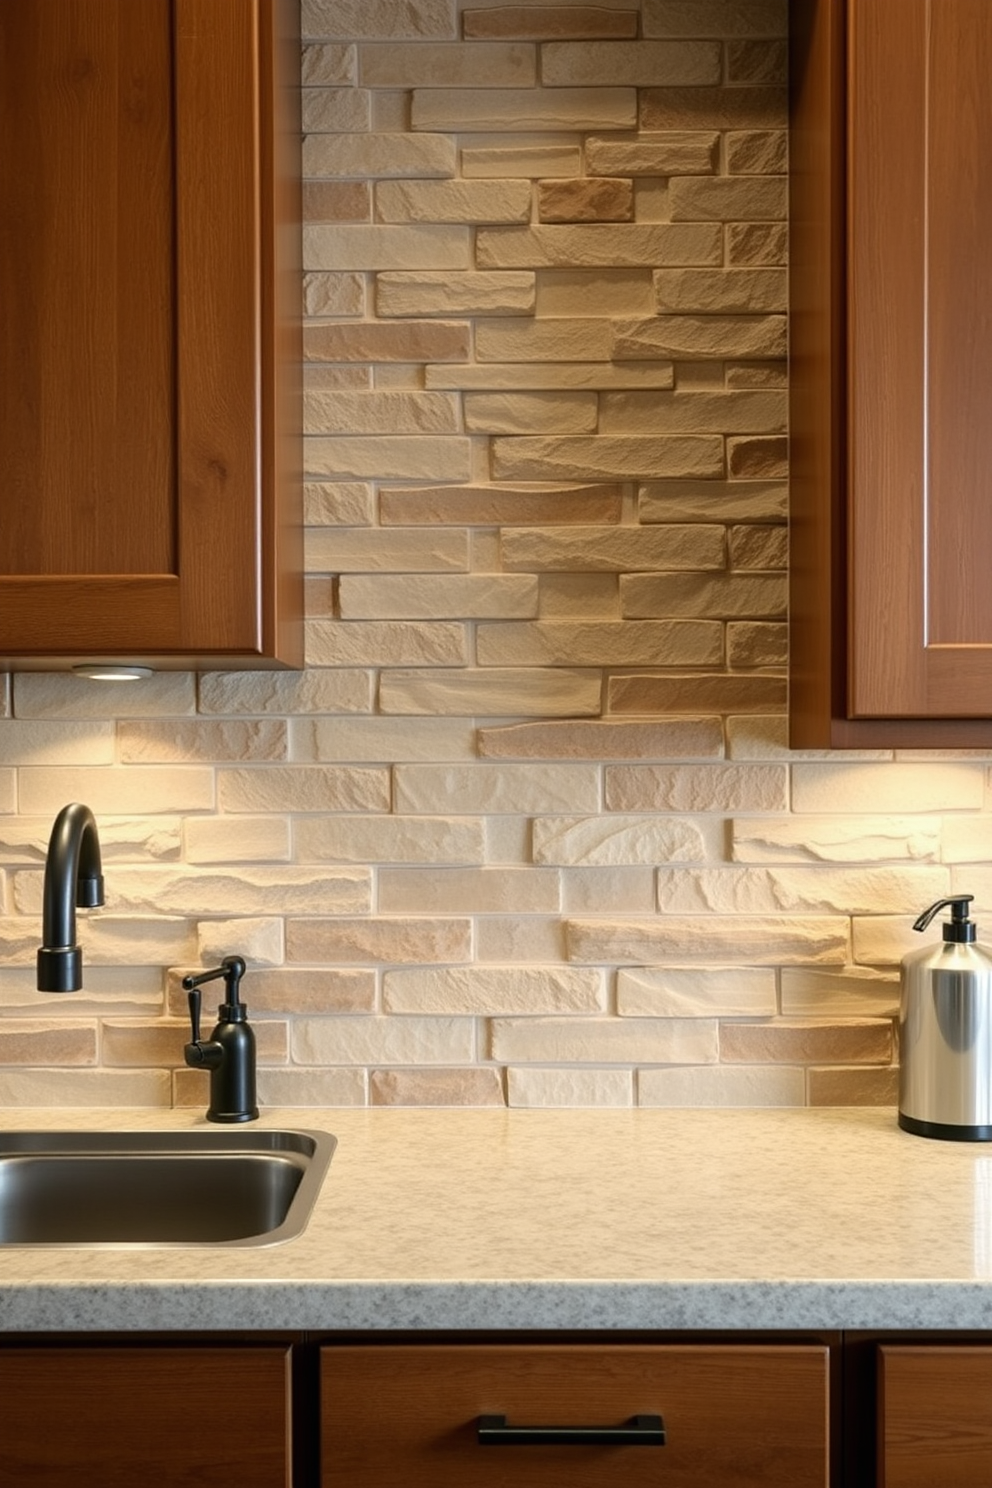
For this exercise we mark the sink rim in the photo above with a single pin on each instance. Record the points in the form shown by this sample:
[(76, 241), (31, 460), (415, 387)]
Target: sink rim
[(314, 1147)]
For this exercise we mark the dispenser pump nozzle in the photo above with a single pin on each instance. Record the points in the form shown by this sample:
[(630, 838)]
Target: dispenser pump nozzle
[(959, 929)]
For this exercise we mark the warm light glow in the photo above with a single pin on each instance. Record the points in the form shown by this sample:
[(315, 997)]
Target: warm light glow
[(101, 672)]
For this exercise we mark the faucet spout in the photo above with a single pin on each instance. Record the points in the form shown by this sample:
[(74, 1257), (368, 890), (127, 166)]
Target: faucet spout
[(73, 877)]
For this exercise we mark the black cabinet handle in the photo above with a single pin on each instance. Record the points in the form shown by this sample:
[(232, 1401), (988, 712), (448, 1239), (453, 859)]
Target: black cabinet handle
[(639, 1431)]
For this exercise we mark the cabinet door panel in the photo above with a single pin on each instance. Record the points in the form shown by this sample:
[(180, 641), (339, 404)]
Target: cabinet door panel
[(406, 1417), (120, 1417), (935, 1417)]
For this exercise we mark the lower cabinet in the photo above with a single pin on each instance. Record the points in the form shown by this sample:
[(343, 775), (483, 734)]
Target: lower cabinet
[(934, 1416), (87, 1416), (575, 1416)]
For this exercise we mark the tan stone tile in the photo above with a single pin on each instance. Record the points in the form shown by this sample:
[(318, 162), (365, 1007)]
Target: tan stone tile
[(762, 61), (324, 376), (531, 413), (612, 839), (453, 201), (758, 459), (119, 990), (534, 787), (338, 503), (756, 374), (56, 695), (369, 1041), (838, 839), (428, 292), (329, 64), (615, 549), (754, 547), (385, 643), (716, 787), (36, 742), (474, 596), (289, 693), (389, 412), (135, 1042), (696, 992), (508, 692), (756, 643), (448, 65), (766, 18), (713, 108), (542, 375), (584, 596), (417, 245), (758, 152), (336, 201), (573, 246), (260, 940), (861, 1041), (224, 839), (306, 1087), (703, 336), (394, 940), (258, 739), (561, 292), (26, 1041), (537, 1088), (136, 789), (712, 595), (488, 991), (800, 888), (548, 22), (84, 1087), (624, 890), (679, 412), (591, 643), (602, 199), (605, 1040), (467, 890), (530, 160), (524, 110), (500, 505), (608, 739), (712, 501), (854, 1087), (249, 889), (392, 839), (329, 293), (372, 341), (367, 550), (442, 1087), (853, 992), (304, 788), (296, 990), (672, 153), (405, 457), (705, 692), (366, 156), (378, 739), (335, 110), (848, 788), (374, 20), (757, 243), (721, 1085), (641, 63), (766, 940), (731, 291)]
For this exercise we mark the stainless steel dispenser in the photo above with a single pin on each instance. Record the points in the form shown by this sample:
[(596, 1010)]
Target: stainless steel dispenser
[(945, 1032)]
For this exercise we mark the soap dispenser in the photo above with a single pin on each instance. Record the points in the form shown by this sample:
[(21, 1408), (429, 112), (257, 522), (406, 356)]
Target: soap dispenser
[(945, 1032), (229, 1053)]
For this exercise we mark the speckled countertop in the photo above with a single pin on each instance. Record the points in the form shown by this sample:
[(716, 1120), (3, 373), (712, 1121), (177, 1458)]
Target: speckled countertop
[(562, 1219)]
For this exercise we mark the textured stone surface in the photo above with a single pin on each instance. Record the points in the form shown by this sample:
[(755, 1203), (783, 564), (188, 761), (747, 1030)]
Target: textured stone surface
[(608, 1040), (441, 1087), (541, 22), (723, 18), (758, 940), (523, 110), (564, 1088), (619, 549), (691, 738), (640, 63), (638, 245), (672, 153), (602, 458), (497, 788), (694, 992), (600, 840), (453, 201), (378, 940), (730, 291), (361, 20), (429, 292), (494, 693), (696, 788), (494, 990), (531, 413), (712, 501), (380, 739), (447, 65), (713, 108), (700, 336), (599, 200), (799, 889), (700, 693), (837, 839)]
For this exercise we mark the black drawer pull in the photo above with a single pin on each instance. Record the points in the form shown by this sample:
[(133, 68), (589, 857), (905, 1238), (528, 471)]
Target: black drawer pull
[(639, 1431)]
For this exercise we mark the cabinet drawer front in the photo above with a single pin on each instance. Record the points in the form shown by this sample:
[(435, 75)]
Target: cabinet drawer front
[(407, 1416), (935, 1417)]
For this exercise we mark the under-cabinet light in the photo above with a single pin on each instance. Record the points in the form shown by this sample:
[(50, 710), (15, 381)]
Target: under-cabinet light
[(100, 672)]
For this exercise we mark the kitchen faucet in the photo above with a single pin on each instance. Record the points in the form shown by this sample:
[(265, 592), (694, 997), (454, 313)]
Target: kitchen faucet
[(72, 876)]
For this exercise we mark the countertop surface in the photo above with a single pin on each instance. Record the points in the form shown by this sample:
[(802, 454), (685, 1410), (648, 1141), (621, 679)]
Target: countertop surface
[(469, 1219)]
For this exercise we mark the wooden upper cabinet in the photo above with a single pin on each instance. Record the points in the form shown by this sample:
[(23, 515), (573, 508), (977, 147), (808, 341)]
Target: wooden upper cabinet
[(150, 423), (891, 373)]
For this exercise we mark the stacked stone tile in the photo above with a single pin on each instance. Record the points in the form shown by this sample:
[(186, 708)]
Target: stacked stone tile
[(526, 828)]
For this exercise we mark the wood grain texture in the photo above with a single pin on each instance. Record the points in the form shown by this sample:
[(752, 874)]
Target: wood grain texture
[(107, 1417), (935, 1417), (405, 1417)]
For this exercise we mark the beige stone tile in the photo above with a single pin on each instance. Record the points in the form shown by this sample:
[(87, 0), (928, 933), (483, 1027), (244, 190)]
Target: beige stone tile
[(756, 643), (759, 940), (383, 246), (385, 740), (427, 292), (730, 291), (390, 412), (702, 693), (30, 1041), (673, 153), (531, 160), (89, 1087), (692, 336), (757, 243), (756, 374), (608, 739), (304, 788), (527, 939), (574, 246), (548, 22), (489, 991), (260, 940), (288, 693), (453, 201), (328, 63), (367, 1041), (600, 199), (621, 549), (138, 1043), (726, 199), (553, 340), (612, 840), (335, 110), (518, 376), (720, 1085), (405, 457), (822, 788), (119, 990), (623, 890), (579, 596), (236, 840), (309, 1087), (524, 110), (854, 1087), (755, 547), (338, 503), (858, 1041), (367, 155), (134, 789), (696, 992), (468, 890), (58, 695), (590, 643), (420, 596), (712, 501), (401, 341), (531, 413), (499, 505), (765, 18), (605, 1040), (391, 839), (499, 692), (758, 152), (484, 787), (398, 940), (374, 20), (540, 1088), (335, 201), (854, 992), (834, 839), (250, 889), (964, 839), (38, 742), (447, 65), (443, 1087), (757, 459), (24, 839), (295, 990), (757, 61), (641, 63), (385, 643), (800, 889), (257, 739), (715, 787), (645, 412), (712, 595), (8, 790), (570, 294), (370, 550), (713, 108)]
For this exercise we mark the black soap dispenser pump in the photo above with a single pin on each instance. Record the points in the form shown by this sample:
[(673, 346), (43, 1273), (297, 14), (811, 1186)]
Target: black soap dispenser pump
[(229, 1053), (945, 1031)]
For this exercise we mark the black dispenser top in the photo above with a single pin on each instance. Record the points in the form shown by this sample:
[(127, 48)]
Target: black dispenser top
[(959, 929)]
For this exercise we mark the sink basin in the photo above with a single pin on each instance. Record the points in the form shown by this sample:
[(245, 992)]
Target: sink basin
[(159, 1188)]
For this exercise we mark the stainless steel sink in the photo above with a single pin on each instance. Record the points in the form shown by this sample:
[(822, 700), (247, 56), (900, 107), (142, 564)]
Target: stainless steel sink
[(159, 1188)]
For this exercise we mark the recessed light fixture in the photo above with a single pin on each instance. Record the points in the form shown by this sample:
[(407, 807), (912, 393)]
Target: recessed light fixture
[(99, 671)]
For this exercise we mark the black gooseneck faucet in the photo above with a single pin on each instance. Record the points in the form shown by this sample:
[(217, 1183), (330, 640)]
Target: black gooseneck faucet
[(73, 876), (229, 1053)]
